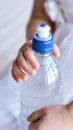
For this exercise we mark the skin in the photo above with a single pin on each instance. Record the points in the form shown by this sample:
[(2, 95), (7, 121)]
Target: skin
[(47, 118), (52, 118), (25, 54)]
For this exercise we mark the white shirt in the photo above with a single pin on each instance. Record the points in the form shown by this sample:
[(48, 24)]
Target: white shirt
[(61, 12)]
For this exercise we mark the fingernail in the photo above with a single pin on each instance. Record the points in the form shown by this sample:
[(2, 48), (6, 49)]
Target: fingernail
[(25, 78), (58, 54), (33, 73), (37, 66), (18, 80)]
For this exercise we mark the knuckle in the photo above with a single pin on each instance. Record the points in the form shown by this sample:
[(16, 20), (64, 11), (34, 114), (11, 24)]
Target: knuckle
[(21, 63), (14, 64), (26, 52), (19, 60), (44, 110), (24, 47)]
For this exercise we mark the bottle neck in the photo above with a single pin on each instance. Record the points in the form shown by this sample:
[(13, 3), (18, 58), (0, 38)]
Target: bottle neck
[(42, 59), (41, 55)]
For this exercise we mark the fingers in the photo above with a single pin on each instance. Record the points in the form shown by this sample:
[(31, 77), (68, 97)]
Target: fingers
[(37, 114), (33, 126), (17, 73), (25, 63), (56, 51), (29, 56), (15, 76), (39, 124)]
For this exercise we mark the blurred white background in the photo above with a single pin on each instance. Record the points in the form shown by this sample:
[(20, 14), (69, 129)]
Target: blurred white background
[(14, 16)]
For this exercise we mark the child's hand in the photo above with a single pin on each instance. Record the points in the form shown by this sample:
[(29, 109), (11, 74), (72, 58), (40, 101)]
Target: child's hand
[(26, 63)]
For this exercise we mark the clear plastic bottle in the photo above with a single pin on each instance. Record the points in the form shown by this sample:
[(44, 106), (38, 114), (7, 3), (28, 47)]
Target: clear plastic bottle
[(45, 88)]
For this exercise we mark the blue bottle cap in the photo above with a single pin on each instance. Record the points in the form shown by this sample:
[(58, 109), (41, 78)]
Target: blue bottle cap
[(43, 42)]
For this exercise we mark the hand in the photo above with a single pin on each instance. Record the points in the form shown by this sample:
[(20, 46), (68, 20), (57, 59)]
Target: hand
[(51, 118), (26, 63)]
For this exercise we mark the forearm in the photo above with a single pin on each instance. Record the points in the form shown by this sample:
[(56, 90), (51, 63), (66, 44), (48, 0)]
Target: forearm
[(38, 16), (31, 28)]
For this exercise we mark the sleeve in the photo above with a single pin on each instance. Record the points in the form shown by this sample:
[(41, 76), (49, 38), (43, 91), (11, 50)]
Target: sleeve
[(53, 10), (63, 36)]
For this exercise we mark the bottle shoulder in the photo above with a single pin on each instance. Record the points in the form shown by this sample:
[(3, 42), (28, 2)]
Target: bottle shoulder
[(46, 59)]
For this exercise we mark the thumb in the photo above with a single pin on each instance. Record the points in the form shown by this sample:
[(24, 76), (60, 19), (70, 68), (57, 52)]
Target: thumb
[(56, 51)]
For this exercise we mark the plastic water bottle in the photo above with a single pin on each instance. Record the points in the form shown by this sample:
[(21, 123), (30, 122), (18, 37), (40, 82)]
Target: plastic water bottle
[(45, 88)]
